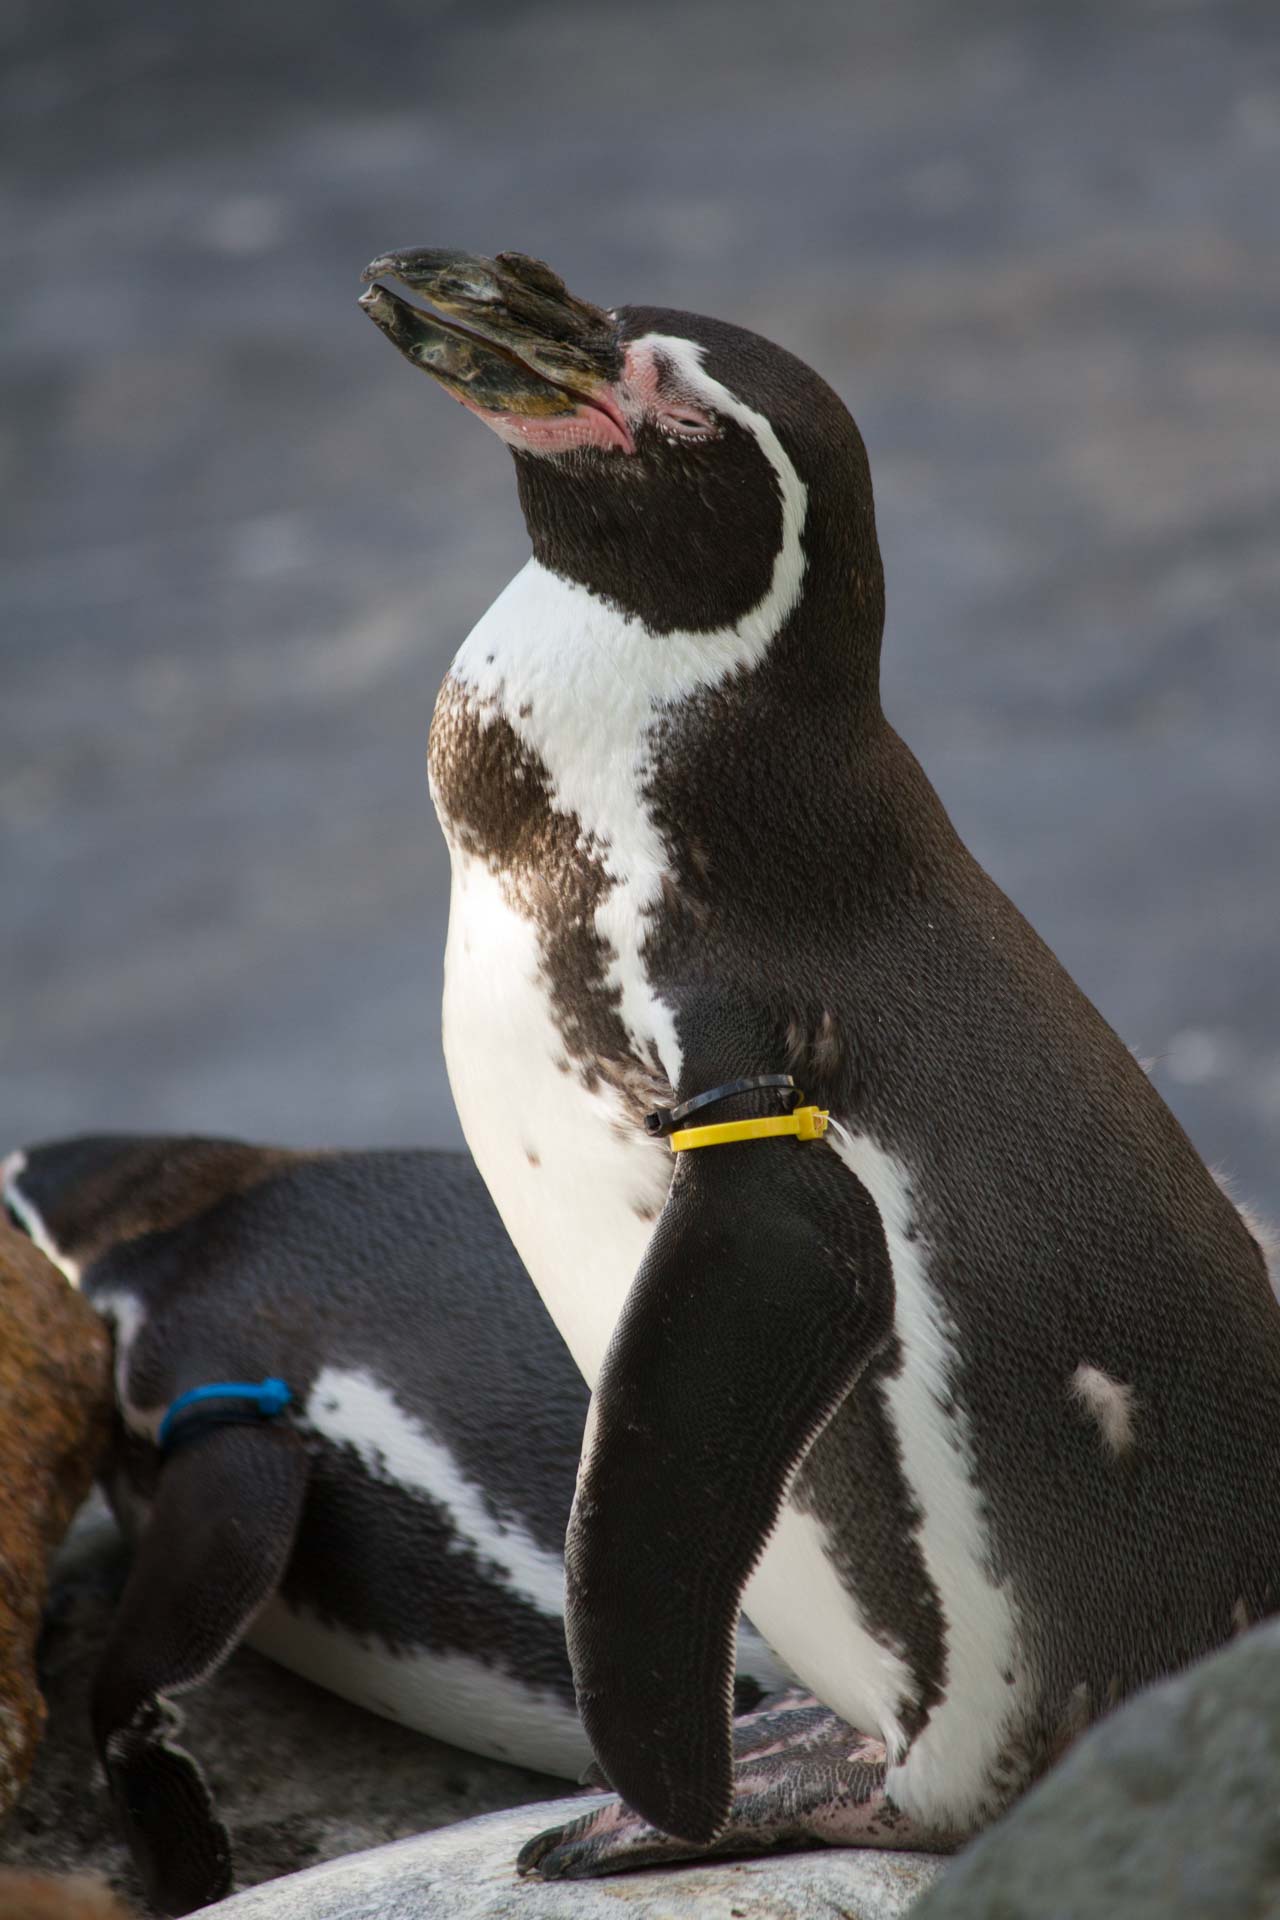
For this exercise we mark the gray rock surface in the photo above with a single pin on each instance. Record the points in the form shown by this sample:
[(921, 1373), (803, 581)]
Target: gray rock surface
[(1169, 1810), (466, 1873), (299, 1775), (1035, 247)]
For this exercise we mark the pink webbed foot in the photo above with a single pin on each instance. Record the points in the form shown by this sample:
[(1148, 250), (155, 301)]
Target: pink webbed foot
[(802, 1777)]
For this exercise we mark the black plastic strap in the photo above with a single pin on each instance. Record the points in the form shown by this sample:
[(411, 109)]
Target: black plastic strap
[(665, 1120), (200, 1420)]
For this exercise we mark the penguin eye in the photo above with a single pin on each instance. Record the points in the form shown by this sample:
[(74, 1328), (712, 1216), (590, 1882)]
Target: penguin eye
[(682, 421)]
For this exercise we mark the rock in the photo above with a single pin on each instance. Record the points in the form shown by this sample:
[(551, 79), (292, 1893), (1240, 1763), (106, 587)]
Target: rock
[(467, 1872), (299, 1775), (1168, 1810), (40, 1896), (55, 1404)]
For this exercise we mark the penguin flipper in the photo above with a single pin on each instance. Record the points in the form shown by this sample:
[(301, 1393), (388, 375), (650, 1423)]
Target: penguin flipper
[(221, 1530), (764, 1291)]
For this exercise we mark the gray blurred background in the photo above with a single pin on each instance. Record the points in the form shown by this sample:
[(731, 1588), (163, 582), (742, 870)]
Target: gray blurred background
[(1036, 248)]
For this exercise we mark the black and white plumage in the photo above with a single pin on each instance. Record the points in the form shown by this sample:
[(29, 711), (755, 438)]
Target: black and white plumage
[(976, 1404), (397, 1535)]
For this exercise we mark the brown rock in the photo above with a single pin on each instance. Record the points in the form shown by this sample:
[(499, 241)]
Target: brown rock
[(55, 1401), (42, 1896)]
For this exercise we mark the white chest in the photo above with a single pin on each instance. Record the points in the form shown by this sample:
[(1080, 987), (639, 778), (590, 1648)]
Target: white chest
[(578, 1188), (577, 688)]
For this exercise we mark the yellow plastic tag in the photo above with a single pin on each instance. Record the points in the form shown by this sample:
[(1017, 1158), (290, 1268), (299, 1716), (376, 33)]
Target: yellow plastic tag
[(806, 1123)]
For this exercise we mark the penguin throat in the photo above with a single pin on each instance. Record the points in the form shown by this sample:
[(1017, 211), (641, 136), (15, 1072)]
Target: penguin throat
[(698, 536)]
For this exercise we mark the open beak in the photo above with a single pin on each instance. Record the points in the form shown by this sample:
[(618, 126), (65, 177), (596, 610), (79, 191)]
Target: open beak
[(509, 341)]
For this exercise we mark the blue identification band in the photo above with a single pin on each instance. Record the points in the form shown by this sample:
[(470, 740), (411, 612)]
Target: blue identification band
[(267, 1399)]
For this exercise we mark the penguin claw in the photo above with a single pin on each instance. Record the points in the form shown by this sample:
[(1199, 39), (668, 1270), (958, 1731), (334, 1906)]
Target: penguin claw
[(610, 1839), (533, 1853)]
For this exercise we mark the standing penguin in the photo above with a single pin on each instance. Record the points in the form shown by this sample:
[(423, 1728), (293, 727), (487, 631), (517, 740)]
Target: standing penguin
[(969, 1392)]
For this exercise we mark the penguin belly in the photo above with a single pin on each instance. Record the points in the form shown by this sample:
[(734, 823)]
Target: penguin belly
[(579, 1189), (577, 1186), (450, 1695)]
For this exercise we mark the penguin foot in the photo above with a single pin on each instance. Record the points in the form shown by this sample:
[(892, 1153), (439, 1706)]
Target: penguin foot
[(802, 1777), (788, 1722), (179, 1846), (759, 1730)]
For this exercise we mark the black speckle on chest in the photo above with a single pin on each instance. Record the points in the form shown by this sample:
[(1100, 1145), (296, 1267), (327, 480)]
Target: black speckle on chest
[(495, 799)]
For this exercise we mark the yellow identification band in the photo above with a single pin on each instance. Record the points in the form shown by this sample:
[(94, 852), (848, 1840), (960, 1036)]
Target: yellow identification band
[(806, 1123)]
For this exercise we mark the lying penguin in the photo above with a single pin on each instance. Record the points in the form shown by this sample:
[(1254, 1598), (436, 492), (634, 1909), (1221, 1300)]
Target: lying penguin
[(914, 1320), (349, 1433)]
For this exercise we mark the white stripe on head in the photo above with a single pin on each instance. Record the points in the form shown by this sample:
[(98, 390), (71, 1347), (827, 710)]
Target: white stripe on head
[(11, 1169), (749, 636)]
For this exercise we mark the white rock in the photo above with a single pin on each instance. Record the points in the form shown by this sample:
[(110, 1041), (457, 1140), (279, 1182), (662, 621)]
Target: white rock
[(467, 1872)]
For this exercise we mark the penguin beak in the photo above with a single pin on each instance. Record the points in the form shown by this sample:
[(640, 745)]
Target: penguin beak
[(509, 341)]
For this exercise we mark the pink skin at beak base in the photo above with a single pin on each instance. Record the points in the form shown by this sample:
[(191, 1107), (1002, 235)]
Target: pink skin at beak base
[(605, 421), (586, 426)]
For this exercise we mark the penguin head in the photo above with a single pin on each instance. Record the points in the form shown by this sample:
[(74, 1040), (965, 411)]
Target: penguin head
[(78, 1198), (690, 473)]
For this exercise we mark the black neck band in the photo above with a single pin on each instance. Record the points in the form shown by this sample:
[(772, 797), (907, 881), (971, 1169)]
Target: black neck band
[(664, 1120)]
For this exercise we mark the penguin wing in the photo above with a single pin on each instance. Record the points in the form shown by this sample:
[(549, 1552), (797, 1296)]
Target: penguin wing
[(219, 1538), (765, 1290)]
